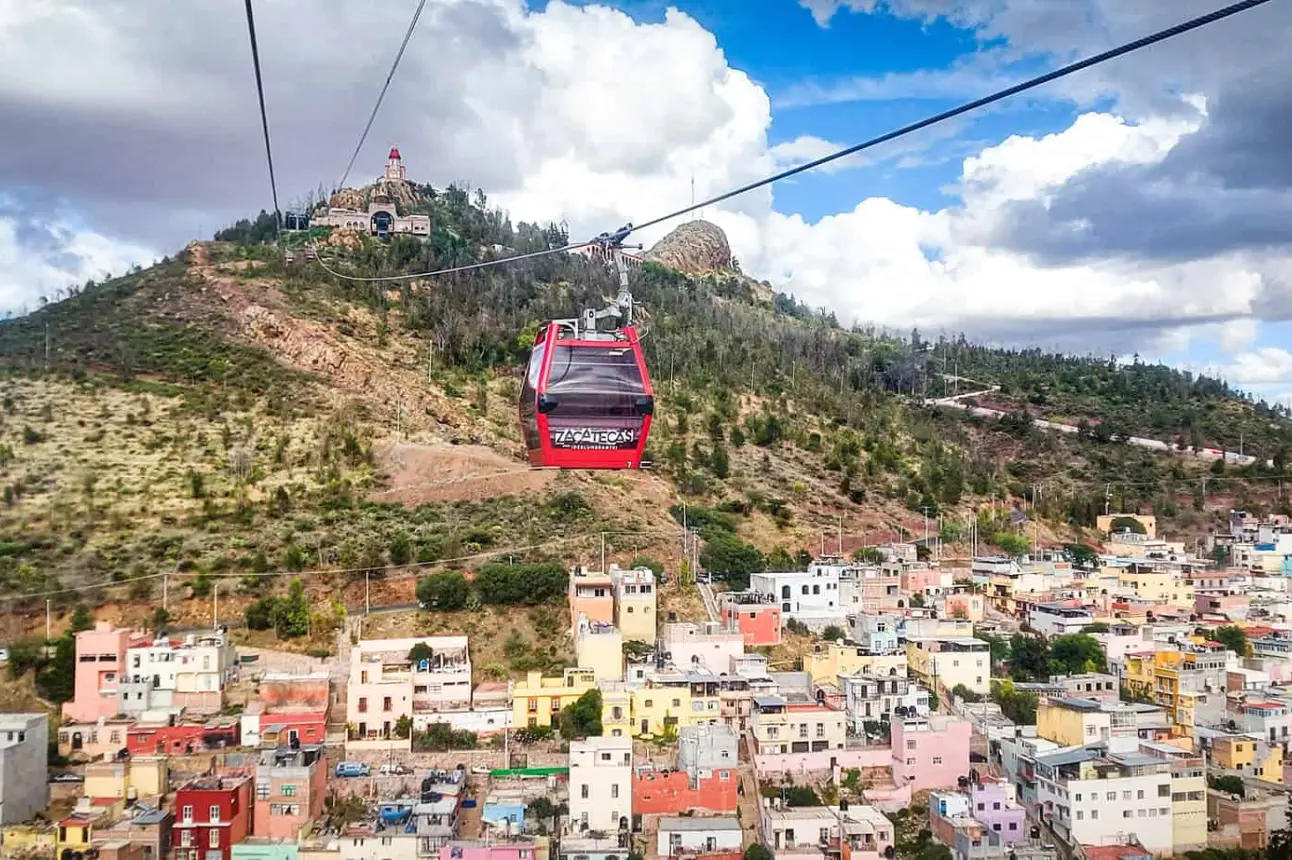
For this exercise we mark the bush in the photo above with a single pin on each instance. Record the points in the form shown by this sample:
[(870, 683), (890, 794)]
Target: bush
[(446, 591), (527, 584)]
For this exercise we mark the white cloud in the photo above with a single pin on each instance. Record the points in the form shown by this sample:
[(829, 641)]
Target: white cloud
[(1269, 365), (572, 113), (40, 256)]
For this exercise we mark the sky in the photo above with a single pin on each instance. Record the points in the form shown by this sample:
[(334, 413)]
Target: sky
[(1139, 207)]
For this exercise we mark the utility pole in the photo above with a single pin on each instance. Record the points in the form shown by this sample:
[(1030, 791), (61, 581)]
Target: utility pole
[(46, 347), (926, 510), (215, 606), (840, 535), (48, 620), (603, 552), (367, 592), (165, 590), (1108, 496)]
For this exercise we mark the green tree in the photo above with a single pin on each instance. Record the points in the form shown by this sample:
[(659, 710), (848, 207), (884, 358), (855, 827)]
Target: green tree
[(757, 851), (403, 726), (1011, 543), (719, 461), (291, 615), (446, 590), (419, 652), (728, 555), (832, 633), (1127, 524), (965, 693), (1229, 784), (582, 718), (1082, 556), (1233, 638), (160, 619), (401, 550), (656, 567), (1019, 706), (81, 620), (1029, 658), (56, 679), (1075, 653)]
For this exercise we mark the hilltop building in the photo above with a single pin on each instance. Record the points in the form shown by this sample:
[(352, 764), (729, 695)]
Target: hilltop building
[(381, 217)]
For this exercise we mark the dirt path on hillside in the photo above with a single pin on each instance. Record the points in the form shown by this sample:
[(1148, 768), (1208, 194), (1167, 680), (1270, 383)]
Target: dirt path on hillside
[(436, 473)]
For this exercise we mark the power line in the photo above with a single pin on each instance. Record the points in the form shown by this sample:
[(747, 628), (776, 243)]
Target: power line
[(264, 118), (1072, 68), (412, 25), (1129, 47)]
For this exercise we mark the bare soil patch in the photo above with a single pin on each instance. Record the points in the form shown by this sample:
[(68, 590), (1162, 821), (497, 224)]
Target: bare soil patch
[(436, 473)]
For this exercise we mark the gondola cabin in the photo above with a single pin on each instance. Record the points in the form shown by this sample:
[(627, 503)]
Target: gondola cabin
[(586, 402)]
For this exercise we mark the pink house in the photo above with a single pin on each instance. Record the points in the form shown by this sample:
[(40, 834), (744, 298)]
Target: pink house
[(100, 660), (460, 849), (930, 752)]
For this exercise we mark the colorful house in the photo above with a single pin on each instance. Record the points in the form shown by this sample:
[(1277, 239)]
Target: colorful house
[(930, 752), (212, 815)]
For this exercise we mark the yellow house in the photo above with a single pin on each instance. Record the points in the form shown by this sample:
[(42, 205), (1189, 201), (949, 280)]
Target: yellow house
[(1158, 586), (831, 659), (106, 779), (1270, 768), (1072, 722), (150, 775), (949, 663), (1161, 677), (1235, 752), (657, 709), (537, 699), (30, 840), (616, 710), (76, 831)]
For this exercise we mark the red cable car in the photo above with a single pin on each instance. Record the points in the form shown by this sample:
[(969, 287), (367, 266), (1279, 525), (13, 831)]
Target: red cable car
[(586, 402)]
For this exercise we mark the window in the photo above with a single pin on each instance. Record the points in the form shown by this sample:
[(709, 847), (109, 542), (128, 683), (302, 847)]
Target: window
[(1139, 795), (583, 791), (215, 813), (1164, 791), (1094, 814), (213, 838), (385, 703), (1080, 815), (1125, 795), (805, 589), (1013, 825), (820, 730), (289, 790), (937, 759), (1078, 797), (262, 791), (187, 813), (363, 705), (910, 744), (996, 805), (910, 761), (186, 838), (1127, 813), (614, 792), (1112, 795)]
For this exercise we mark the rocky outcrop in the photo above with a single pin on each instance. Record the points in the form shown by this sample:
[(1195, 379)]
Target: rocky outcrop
[(402, 193), (696, 248)]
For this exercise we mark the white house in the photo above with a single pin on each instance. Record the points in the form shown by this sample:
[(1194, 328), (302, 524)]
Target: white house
[(601, 772), (695, 646), (24, 761), (1058, 619), (698, 835), (810, 597)]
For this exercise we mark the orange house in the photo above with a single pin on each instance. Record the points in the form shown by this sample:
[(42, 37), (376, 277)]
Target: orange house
[(705, 778), (757, 619)]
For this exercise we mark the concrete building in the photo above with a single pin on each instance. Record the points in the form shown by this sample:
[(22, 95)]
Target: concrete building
[(756, 616), (706, 837), (948, 663), (829, 660), (930, 752), (591, 595), (1089, 796), (100, 665), (387, 683), (93, 740), (600, 647), (148, 830), (213, 814), (24, 763), (635, 602), (708, 646), (190, 673), (995, 803), (705, 778), (537, 700), (1188, 794), (876, 634), (810, 597), (780, 727), (290, 787), (382, 217), (601, 785), (1059, 619), (870, 698)]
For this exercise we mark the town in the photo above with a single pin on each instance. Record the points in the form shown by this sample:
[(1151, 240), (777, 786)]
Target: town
[(1124, 701)]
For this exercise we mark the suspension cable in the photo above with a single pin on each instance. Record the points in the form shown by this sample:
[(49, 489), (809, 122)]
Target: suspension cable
[(412, 25), (264, 117)]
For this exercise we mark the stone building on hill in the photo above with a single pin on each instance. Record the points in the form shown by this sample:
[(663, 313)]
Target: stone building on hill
[(381, 217)]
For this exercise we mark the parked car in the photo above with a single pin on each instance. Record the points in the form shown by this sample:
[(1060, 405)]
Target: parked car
[(66, 776), (352, 768), (394, 769)]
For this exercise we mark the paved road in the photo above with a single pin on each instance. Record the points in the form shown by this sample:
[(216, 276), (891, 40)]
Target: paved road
[(1234, 457), (710, 602)]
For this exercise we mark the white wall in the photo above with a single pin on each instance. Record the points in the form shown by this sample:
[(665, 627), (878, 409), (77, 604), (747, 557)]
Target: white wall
[(726, 839), (600, 783), (480, 720), (1103, 820)]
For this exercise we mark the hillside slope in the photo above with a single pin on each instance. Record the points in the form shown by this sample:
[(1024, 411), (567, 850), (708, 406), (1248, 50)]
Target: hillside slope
[(225, 415)]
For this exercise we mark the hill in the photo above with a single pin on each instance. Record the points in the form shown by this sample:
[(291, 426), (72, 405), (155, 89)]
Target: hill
[(226, 415)]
